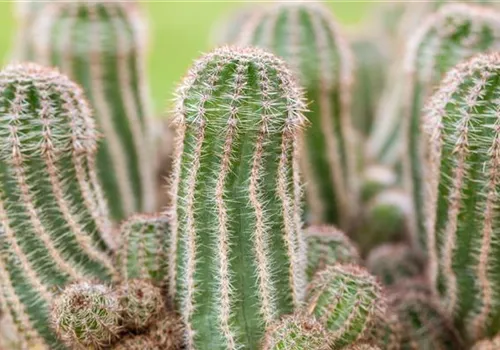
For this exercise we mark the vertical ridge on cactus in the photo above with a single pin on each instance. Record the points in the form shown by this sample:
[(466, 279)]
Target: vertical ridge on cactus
[(54, 220), (454, 33), (307, 37), (101, 45), (237, 250), (462, 180)]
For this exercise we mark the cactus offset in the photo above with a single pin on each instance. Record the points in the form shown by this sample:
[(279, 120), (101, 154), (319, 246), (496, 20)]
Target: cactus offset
[(462, 136), (237, 250), (456, 32), (307, 37), (326, 245), (54, 220), (101, 45)]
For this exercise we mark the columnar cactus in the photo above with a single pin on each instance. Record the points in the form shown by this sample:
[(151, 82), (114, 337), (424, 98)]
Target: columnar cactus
[(144, 245), (462, 182), (456, 32), (347, 300), (237, 257), (307, 37), (55, 227), (326, 245), (101, 45), (25, 12)]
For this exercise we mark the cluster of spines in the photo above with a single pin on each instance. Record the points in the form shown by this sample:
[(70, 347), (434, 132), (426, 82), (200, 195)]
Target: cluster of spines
[(236, 224), (307, 37), (101, 45), (53, 214), (462, 171)]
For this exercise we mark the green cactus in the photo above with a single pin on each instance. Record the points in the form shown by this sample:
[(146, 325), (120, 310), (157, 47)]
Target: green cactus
[(307, 37), (424, 324), (454, 33), (462, 166), (144, 246), (101, 45), (326, 245), (237, 250), (375, 179), (348, 301), (87, 316), (55, 227), (25, 12), (392, 263)]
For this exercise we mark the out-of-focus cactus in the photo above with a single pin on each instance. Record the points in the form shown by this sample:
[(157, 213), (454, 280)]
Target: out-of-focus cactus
[(55, 227), (461, 129), (229, 29), (488, 344), (326, 245), (377, 178), (454, 33), (393, 263), (101, 45), (237, 257), (25, 12), (363, 346), (424, 324), (144, 245), (307, 37)]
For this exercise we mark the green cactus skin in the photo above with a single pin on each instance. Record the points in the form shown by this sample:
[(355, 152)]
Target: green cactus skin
[(144, 247), (55, 226), (424, 324), (377, 178), (488, 344), (237, 249), (347, 300), (392, 263), (307, 37), (462, 164), (326, 245), (101, 45), (296, 332), (456, 32)]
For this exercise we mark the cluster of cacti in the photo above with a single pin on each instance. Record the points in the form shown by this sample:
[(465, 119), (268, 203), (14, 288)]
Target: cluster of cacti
[(239, 258)]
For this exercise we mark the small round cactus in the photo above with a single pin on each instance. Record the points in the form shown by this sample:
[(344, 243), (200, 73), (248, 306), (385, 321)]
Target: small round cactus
[(86, 315), (168, 333), (141, 303), (363, 346), (296, 332), (137, 342)]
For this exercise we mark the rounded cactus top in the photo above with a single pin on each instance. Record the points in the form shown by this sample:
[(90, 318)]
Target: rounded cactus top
[(42, 113), (246, 86)]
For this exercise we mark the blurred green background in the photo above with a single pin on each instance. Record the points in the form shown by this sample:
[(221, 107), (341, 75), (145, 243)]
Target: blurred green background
[(180, 31)]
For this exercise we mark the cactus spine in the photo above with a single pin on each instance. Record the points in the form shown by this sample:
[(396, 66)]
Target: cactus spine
[(237, 252), (307, 37), (101, 46), (456, 32), (54, 220), (462, 178)]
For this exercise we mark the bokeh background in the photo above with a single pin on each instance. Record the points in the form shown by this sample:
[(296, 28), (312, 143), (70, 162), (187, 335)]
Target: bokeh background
[(179, 32)]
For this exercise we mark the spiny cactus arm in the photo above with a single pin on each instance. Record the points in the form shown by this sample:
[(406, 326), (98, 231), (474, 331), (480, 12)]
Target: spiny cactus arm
[(326, 245), (462, 166), (456, 32), (236, 228), (144, 244), (308, 38), (102, 45)]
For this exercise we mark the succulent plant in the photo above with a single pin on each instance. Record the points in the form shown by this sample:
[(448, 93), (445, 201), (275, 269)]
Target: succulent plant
[(102, 46), (375, 179), (237, 250), (488, 344), (462, 166), (363, 346), (326, 245), (307, 37)]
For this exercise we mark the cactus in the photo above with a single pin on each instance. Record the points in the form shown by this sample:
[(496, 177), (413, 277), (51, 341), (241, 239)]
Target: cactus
[(168, 332), (392, 263), (347, 300), (144, 246), (363, 346), (377, 178), (462, 166), (136, 342), (54, 220), (237, 257), (488, 344), (326, 245), (456, 32), (86, 315), (101, 45), (296, 332), (425, 325), (307, 37), (25, 12)]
